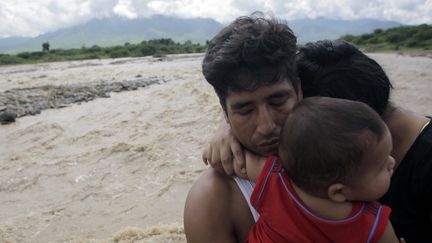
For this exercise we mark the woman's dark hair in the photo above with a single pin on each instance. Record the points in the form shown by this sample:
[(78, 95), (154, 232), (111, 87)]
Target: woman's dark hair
[(339, 69)]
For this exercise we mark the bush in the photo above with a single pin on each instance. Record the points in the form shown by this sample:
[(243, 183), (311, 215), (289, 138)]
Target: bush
[(8, 59), (377, 31), (95, 48), (148, 50), (414, 37), (116, 53), (24, 55), (36, 54)]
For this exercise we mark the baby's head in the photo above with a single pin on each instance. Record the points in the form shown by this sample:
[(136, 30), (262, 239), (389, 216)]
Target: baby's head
[(337, 149)]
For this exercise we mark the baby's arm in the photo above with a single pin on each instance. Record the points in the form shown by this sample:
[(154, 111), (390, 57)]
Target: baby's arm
[(389, 236), (254, 164)]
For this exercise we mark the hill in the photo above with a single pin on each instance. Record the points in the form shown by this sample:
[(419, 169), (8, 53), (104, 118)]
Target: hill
[(400, 38), (117, 31)]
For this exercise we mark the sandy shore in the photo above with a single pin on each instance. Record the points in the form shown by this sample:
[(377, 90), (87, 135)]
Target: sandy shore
[(118, 169)]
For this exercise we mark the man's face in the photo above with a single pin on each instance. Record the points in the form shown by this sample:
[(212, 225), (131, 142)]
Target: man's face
[(256, 117)]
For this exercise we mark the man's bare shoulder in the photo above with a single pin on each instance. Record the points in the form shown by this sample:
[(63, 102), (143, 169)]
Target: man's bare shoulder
[(210, 194), (214, 210), (211, 182)]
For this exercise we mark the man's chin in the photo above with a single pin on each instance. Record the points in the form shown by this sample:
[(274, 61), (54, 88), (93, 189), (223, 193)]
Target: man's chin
[(266, 150)]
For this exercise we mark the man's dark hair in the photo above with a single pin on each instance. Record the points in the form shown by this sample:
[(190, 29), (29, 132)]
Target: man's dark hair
[(339, 69), (324, 140), (250, 52)]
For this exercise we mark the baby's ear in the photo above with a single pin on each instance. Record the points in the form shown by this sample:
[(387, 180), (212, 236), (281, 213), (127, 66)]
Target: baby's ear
[(336, 192)]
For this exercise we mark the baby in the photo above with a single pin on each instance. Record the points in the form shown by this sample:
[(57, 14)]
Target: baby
[(334, 162)]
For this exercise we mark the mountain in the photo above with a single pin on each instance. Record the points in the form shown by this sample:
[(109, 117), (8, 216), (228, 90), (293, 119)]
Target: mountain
[(117, 31), (11, 42)]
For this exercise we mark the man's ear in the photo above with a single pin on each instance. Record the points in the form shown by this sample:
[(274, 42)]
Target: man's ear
[(226, 116), (337, 192), (224, 110)]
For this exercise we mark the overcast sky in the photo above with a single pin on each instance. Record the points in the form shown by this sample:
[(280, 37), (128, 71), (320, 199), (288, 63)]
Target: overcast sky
[(31, 18)]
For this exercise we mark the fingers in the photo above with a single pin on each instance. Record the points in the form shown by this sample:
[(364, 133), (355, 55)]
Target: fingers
[(239, 159), (219, 152), (240, 172), (218, 167), (221, 160), (205, 154), (227, 160), (214, 160), (211, 157), (402, 240), (227, 157)]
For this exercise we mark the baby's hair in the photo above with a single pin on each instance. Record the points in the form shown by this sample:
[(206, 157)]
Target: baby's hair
[(324, 140)]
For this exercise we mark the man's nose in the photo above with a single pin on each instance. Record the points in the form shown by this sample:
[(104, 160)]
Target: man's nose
[(265, 122)]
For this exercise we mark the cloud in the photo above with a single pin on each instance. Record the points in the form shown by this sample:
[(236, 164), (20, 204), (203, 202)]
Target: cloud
[(403, 11), (30, 18), (220, 10), (35, 17), (124, 8)]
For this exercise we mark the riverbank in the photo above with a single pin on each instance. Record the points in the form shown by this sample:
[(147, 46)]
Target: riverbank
[(118, 169)]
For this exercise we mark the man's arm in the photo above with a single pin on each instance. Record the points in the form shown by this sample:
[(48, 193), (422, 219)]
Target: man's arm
[(216, 211)]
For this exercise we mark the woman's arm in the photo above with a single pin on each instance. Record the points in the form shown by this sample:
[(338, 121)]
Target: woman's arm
[(224, 153), (389, 236)]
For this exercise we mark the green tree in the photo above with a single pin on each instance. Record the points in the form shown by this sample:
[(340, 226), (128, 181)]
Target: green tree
[(45, 46), (148, 50)]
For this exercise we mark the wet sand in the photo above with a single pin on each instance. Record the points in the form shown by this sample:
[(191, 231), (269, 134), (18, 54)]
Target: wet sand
[(118, 169)]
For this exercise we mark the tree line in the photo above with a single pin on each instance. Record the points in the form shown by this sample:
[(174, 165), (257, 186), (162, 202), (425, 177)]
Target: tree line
[(156, 47), (400, 38), (393, 39)]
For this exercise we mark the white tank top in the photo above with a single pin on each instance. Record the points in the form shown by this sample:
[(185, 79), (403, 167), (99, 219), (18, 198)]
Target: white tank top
[(246, 187)]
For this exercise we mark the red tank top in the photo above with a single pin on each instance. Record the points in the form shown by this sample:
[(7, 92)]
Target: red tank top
[(285, 218)]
